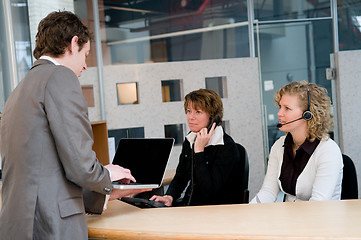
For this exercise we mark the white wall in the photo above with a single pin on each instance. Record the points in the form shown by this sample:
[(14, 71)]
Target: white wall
[(349, 88), (241, 108)]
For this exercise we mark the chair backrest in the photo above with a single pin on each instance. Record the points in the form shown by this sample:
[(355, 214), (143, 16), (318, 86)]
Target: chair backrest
[(349, 181), (245, 168)]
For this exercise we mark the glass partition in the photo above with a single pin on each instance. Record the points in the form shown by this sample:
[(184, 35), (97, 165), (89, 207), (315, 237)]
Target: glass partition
[(15, 47), (165, 31), (267, 10), (292, 52), (20, 20), (349, 25)]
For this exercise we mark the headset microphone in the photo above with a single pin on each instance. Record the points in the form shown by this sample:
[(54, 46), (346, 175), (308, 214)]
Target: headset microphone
[(281, 124)]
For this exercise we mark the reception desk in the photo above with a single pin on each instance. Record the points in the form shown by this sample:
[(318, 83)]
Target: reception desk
[(301, 220)]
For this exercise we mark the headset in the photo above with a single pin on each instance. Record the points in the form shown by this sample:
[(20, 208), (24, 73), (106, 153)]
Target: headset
[(307, 115)]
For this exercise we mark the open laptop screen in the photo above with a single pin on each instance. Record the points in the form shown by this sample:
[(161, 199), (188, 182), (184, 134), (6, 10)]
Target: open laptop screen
[(147, 158)]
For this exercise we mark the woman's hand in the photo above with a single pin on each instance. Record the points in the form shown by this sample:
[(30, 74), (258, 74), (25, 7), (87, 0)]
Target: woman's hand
[(166, 200), (202, 138)]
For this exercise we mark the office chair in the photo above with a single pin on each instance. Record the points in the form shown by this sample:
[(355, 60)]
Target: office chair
[(245, 170), (349, 181)]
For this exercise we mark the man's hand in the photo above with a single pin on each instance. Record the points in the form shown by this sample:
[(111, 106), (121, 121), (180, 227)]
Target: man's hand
[(119, 193), (120, 174)]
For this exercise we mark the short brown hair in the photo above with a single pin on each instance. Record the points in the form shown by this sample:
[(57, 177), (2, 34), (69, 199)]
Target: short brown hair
[(320, 106), (206, 100), (55, 32)]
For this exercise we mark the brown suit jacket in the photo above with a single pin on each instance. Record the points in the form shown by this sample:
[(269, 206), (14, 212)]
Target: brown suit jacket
[(47, 158)]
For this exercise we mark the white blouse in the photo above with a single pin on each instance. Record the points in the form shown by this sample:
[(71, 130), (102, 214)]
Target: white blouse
[(320, 179)]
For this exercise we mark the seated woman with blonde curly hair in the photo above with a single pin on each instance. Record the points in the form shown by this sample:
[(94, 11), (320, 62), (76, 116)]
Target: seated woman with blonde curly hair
[(305, 164)]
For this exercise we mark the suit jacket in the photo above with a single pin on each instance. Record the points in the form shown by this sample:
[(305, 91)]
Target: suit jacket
[(47, 158)]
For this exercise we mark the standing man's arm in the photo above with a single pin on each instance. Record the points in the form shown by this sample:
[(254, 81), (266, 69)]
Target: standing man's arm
[(67, 114)]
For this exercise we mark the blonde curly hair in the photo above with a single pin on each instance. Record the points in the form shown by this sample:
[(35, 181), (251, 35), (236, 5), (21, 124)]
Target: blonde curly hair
[(320, 107)]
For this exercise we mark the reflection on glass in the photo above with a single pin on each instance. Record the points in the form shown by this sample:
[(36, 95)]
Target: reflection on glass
[(292, 52), (217, 84), (349, 25), (290, 9), (126, 133), (20, 21), (172, 90), (127, 93), (14, 46), (175, 131), (88, 93), (166, 31)]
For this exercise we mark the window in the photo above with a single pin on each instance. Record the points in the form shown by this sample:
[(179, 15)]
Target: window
[(226, 126), (127, 93), (88, 93), (175, 131), (217, 84), (172, 90)]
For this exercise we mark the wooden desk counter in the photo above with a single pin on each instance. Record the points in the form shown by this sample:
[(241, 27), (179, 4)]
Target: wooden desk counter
[(301, 220), (168, 176)]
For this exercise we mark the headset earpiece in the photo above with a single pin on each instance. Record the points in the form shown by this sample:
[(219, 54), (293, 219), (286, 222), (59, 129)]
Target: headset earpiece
[(307, 115)]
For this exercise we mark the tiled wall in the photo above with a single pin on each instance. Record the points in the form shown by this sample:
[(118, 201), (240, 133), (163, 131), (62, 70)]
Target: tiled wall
[(241, 108)]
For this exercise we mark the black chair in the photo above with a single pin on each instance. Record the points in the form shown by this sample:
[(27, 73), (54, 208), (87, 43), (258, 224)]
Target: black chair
[(245, 171), (349, 181)]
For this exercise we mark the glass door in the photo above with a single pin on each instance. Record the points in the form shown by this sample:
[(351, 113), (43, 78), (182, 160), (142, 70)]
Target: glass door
[(292, 51)]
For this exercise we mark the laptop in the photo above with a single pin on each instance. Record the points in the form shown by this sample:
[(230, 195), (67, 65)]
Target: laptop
[(147, 159)]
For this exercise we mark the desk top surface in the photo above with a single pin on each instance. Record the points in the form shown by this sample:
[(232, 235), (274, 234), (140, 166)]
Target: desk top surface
[(301, 220)]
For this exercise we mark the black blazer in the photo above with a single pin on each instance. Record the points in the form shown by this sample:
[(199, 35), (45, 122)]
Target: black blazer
[(217, 175)]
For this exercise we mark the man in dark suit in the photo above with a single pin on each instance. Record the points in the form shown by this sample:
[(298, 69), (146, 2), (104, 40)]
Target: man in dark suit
[(46, 142)]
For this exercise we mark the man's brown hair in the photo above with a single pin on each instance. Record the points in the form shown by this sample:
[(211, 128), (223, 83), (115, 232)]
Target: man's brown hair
[(56, 31)]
